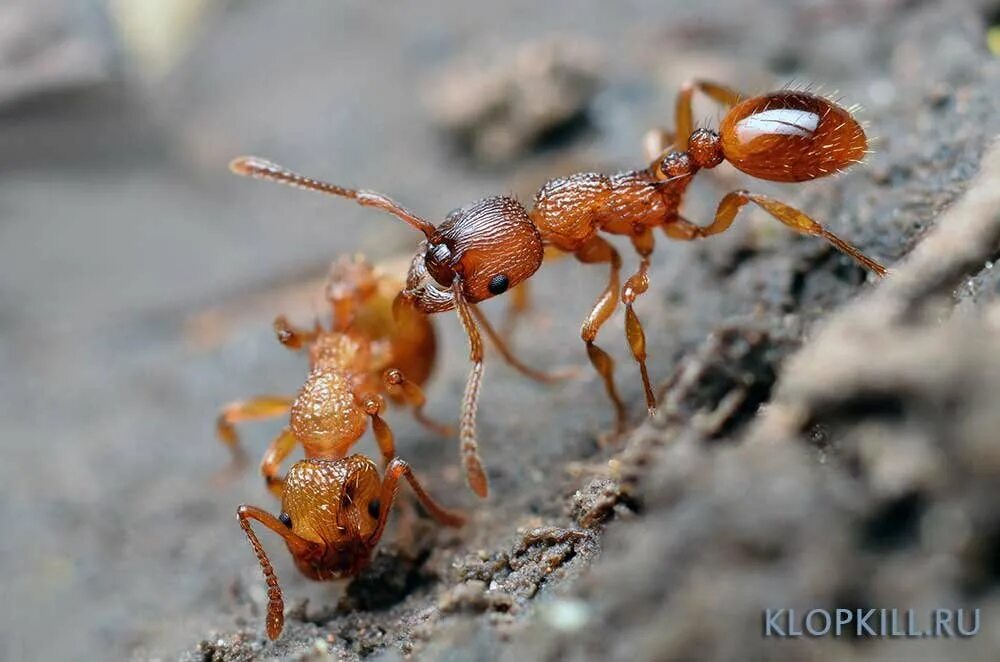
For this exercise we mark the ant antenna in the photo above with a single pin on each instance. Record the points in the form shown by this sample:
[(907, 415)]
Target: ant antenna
[(275, 603), (258, 168)]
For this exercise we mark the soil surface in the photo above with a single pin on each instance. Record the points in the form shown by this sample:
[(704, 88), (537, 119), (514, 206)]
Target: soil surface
[(824, 440)]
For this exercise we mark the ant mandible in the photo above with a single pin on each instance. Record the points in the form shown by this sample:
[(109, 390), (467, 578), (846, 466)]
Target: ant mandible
[(334, 508), (492, 245)]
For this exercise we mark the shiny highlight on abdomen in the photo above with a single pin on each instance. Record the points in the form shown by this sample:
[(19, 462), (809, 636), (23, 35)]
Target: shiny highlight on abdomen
[(791, 136)]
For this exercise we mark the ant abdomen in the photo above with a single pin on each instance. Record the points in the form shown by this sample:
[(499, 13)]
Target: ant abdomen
[(791, 136)]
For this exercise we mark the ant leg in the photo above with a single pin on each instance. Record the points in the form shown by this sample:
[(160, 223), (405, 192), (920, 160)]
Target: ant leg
[(411, 325), (731, 203), (637, 284), (597, 250), (397, 469), (681, 229), (275, 454), (725, 96), (298, 546), (291, 336), (398, 385), (509, 356), (474, 472), (254, 409), (374, 405)]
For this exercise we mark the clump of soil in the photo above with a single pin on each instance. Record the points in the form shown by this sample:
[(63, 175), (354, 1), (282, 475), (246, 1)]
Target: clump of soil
[(501, 110)]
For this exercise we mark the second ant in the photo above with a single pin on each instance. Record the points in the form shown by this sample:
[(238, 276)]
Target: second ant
[(334, 507)]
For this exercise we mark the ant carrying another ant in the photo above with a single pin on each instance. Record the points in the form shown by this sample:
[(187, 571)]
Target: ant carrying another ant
[(334, 508), (484, 249)]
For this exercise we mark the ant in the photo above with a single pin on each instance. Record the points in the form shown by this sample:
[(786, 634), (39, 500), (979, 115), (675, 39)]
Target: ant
[(364, 353), (334, 508), (494, 244)]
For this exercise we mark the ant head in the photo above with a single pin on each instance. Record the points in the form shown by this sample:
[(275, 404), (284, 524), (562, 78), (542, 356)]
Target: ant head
[(791, 136), (491, 245), (334, 503)]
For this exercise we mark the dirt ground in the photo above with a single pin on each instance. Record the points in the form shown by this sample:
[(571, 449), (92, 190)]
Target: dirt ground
[(825, 440)]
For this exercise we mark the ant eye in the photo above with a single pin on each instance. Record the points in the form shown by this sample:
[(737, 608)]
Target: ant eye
[(373, 508), (498, 284), (285, 519)]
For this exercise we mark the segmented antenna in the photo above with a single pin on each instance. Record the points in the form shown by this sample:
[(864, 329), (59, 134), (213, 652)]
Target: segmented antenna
[(258, 168), (275, 602)]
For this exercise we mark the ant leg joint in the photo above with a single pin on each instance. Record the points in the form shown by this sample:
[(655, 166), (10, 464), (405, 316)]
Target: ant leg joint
[(372, 404)]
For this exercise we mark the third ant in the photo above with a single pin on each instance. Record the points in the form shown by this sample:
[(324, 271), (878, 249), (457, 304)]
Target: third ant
[(492, 245)]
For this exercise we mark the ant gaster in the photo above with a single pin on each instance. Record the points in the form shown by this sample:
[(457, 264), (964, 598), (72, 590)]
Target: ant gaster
[(334, 508), (492, 245)]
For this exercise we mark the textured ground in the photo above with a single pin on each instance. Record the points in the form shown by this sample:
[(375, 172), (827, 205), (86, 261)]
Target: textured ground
[(825, 441)]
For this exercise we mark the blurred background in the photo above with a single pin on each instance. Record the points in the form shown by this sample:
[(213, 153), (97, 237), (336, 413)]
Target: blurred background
[(138, 278)]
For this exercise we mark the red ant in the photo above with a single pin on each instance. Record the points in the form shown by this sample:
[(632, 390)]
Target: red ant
[(364, 353), (492, 245), (334, 508)]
